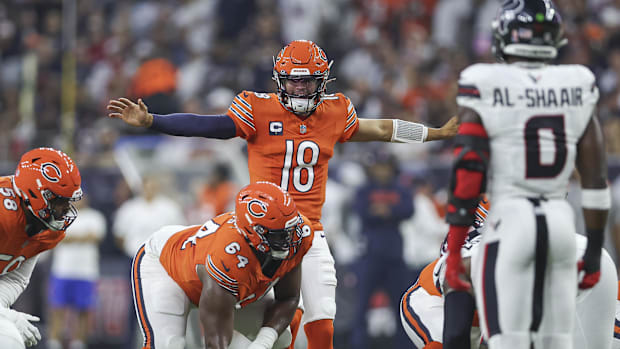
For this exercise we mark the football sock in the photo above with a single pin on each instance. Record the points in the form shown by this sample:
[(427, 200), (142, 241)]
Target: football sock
[(320, 334), (295, 326)]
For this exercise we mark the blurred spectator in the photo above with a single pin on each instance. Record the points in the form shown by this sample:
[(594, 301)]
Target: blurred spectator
[(73, 281), (382, 204), (155, 82), (425, 231), (137, 218), (215, 197)]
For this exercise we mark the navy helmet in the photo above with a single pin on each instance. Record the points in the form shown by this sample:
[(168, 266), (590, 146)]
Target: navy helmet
[(529, 29)]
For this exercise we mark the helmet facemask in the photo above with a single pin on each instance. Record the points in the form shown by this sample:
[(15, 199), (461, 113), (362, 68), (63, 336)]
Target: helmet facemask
[(301, 103), (59, 212), (280, 241)]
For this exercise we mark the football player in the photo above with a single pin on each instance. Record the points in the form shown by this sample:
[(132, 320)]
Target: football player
[(529, 123), (291, 136), (36, 210), (430, 300), (230, 261)]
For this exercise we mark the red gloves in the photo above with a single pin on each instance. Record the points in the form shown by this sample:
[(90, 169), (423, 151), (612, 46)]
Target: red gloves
[(454, 266), (589, 278), (454, 270)]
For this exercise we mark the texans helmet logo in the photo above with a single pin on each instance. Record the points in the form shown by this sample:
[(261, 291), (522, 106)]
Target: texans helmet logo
[(257, 208), (51, 172)]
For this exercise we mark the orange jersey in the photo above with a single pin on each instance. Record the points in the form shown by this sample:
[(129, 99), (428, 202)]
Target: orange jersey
[(289, 151), (15, 244), (227, 257)]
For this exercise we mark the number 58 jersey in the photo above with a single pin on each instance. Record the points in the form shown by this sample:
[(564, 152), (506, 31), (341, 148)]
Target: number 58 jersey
[(534, 116)]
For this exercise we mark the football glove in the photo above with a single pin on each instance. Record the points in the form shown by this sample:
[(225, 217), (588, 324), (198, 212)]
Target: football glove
[(454, 270), (588, 276), (30, 333)]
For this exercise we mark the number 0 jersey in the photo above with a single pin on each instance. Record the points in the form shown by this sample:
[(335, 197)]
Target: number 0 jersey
[(534, 116), (227, 258), (15, 244), (289, 151)]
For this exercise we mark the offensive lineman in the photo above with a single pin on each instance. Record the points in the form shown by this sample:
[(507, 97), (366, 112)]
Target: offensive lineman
[(291, 136), (233, 260), (529, 123), (36, 210)]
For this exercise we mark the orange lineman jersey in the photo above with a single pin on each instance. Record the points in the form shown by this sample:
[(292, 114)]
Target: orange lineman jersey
[(15, 244), (227, 257), (289, 151)]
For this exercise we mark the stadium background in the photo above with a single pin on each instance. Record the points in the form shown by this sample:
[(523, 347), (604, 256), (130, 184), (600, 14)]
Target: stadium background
[(61, 61)]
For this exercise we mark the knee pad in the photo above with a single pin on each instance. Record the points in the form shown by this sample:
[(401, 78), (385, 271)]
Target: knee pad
[(9, 335), (176, 342)]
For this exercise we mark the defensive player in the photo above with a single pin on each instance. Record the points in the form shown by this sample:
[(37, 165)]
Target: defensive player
[(426, 305), (529, 123), (230, 261), (291, 136), (35, 212)]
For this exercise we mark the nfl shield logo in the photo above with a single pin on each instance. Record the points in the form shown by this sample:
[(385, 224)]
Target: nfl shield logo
[(302, 129)]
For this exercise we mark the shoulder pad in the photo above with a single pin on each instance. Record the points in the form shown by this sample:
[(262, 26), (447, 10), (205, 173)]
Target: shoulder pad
[(262, 95), (477, 73)]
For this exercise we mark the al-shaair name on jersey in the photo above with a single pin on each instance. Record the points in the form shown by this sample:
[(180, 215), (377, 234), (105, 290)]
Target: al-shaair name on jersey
[(547, 97), (534, 115)]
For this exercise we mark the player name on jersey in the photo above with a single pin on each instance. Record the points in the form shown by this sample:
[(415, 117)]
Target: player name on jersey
[(538, 97)]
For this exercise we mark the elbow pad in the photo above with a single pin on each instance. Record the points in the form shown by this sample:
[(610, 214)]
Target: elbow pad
[(468, 177)]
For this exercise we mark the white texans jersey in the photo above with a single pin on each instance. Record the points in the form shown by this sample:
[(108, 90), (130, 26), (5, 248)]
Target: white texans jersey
[(534, 115)]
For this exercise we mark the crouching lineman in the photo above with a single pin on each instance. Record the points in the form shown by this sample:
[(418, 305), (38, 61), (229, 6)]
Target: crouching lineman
[(36, 210), (229, 262), (430, 300)]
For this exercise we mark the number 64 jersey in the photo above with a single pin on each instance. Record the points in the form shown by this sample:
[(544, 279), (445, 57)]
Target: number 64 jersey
[(227, 257), (534, 115)]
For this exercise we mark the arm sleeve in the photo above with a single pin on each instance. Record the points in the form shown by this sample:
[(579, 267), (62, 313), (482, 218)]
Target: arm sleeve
[(14, 283), (194, 125)]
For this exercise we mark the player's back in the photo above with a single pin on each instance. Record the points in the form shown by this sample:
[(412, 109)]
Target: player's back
[(15, 244), (534, 116), (291, 151)]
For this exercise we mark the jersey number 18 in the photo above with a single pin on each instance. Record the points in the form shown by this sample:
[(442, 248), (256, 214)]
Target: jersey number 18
[(302, 165)]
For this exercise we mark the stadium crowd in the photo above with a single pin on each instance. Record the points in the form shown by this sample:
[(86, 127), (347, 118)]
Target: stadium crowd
[(396, 58)]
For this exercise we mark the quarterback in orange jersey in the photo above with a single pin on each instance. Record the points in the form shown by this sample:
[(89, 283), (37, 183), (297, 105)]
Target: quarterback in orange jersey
[(231, 261), (291, 136), (36, 210)]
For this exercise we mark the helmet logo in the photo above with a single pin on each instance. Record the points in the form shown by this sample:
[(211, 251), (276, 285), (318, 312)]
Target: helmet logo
[(51, 172), (257, 208)]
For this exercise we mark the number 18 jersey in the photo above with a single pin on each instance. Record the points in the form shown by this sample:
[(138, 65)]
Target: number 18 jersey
[(534, 115), (290, 151)]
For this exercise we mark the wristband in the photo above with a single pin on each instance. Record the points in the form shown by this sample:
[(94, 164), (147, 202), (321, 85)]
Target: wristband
[(266, 337), (596, 199), (408, 132)]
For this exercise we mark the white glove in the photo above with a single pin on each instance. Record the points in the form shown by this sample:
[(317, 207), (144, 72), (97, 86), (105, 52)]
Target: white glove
[(29, 332), (265, 338)]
